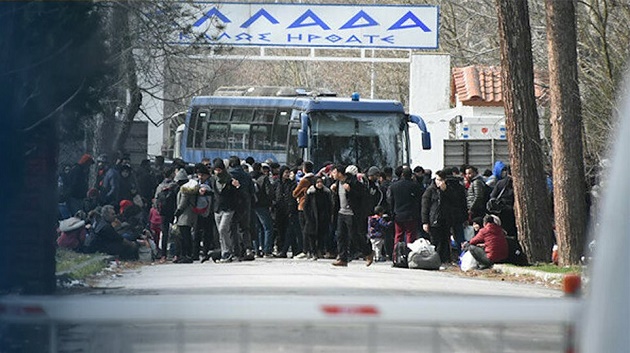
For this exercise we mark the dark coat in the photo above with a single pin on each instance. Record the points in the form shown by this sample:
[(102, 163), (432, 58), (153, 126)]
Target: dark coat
[(225, 195), (357, 197), (284, 203), (477, 196), (508, 194), (317, 210), (108, 241), (76, 182), (405, 198), (453, 205), (431, 211)]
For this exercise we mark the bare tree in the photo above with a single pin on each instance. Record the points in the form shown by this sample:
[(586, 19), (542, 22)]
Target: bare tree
[(566, 132), (143, 42), (531, 205)]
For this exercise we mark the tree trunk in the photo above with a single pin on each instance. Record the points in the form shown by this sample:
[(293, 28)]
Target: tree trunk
[(128, 72), (533, 213), (566, 132)]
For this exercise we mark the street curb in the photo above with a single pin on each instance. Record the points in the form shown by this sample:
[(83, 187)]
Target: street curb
[(545, 276)]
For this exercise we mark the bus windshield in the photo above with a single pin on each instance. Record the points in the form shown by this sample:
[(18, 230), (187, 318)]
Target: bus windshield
[(364, 139)]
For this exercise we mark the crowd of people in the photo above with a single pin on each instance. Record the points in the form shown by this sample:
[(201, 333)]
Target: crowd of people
[(233, 210)]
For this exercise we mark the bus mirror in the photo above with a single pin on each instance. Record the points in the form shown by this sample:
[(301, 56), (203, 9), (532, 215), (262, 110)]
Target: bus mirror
[(426, 140), (303, 132), (302, 139), (425, 134)]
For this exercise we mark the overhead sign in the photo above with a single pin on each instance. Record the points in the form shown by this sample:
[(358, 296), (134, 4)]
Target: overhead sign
[(309, 25)]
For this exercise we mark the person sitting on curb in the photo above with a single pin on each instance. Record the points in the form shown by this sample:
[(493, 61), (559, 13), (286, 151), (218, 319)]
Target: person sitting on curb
[(489, 245)]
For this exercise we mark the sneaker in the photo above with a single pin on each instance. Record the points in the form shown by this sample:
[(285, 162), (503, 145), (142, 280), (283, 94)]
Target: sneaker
[(281, 255), (300, 256), (250, 255), (226, 260), (340, 263), (329, 256), (369, 259), (268, 256)]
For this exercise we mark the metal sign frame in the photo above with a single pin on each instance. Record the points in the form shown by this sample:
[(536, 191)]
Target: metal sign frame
[(314, 25)]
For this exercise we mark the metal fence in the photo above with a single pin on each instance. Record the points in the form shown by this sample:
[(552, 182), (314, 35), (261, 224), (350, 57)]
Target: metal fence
[(287, 324)]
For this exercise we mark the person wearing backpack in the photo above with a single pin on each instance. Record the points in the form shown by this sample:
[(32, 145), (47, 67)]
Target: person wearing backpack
[(165, 203)]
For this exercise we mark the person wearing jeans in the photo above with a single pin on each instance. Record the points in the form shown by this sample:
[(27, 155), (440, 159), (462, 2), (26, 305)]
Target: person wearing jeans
[(225, 196)]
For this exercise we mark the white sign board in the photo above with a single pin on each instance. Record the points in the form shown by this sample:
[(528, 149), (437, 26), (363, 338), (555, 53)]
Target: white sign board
[(311, 25)]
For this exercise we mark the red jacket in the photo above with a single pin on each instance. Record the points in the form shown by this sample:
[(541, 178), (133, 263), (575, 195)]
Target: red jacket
[(496, 245)]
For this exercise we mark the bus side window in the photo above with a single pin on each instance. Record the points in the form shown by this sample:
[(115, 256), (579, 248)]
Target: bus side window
[(217, 129), (238, 137), (264, 116), (280, 130), (216, 136), (195, 133), (260, 136), (242, 115)]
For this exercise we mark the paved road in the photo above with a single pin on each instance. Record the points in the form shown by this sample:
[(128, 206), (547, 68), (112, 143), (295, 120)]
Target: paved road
[(306, 278), (283, 305)]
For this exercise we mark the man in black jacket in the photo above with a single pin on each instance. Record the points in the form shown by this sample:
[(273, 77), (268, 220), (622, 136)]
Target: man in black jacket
[(443, 208), (405, 197), (241, 227), (477, 194)]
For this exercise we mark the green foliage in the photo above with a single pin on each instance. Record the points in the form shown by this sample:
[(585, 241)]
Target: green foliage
[(551, 268), (80, 266)]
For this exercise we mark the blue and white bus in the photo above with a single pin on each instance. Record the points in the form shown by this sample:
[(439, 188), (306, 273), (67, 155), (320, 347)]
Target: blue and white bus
[(296, 125)]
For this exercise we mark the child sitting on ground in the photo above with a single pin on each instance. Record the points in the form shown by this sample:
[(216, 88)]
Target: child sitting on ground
[(377, 227)]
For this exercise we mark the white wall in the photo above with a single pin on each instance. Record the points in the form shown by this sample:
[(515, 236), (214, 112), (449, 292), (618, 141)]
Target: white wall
[(429, 97), (153, 107)]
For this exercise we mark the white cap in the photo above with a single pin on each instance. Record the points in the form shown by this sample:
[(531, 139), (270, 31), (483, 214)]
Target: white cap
[(352, 169)]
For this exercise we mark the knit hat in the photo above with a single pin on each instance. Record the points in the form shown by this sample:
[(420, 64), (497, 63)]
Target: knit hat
[(86, 158), (70, 224), (373, 171), (181, 175), (124, 204), (352, 169)]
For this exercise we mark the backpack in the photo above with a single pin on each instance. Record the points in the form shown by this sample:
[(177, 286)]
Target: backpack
[(166, 201), (516, 255), (401, 251)]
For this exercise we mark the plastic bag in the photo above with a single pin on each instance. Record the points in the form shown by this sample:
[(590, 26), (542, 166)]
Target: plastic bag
[(467, 262), (420, 245), (469, 232)]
